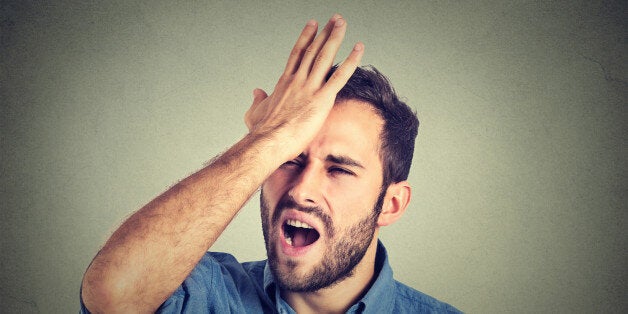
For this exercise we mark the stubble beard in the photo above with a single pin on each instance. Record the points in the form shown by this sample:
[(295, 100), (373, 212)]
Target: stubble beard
[(340, 257)]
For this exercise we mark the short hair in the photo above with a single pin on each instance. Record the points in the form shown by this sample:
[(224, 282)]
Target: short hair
[(400, 122)]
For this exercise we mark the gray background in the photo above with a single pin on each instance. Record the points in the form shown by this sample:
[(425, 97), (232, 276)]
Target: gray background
[(519, 174)]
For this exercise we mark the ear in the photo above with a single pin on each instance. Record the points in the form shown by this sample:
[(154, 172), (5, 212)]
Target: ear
[(395, 202)]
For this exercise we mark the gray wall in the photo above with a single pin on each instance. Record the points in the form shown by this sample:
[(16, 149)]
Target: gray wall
[(519, 174)]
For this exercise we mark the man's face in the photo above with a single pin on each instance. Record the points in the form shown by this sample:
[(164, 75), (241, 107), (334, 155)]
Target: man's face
[(319, 210)]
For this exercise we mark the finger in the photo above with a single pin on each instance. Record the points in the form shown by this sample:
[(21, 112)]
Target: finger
[(316, 45), (258, 96), (305, 39), (325, 57), (344, 71)]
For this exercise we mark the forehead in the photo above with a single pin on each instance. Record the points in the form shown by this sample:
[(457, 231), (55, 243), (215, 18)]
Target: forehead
[(353, 129)]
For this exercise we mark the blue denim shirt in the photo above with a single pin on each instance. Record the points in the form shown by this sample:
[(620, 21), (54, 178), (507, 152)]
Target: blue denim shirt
[(220, 284)]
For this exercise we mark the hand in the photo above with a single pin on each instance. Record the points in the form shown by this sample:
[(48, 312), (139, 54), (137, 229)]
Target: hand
[(301, 100)]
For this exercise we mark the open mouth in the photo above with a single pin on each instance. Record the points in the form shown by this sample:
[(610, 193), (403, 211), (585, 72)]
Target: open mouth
[(299, 234)]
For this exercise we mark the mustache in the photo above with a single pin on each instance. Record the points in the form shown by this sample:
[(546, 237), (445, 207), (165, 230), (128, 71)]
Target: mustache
[(288, 202)]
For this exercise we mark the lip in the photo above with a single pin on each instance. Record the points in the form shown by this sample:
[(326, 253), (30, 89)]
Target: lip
[(288, 249)]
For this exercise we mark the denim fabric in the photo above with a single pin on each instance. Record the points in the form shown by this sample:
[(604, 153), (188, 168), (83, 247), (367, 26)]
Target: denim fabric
[(220, 284)]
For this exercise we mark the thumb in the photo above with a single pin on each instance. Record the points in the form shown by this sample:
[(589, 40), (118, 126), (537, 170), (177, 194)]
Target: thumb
[(258, 95), (250, 116)]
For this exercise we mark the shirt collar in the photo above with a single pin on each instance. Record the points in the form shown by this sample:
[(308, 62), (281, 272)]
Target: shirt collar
[(379, 297), (269, 282)]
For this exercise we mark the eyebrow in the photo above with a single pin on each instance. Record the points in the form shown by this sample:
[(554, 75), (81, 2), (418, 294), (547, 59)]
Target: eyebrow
[(344, 160), (341, 160)]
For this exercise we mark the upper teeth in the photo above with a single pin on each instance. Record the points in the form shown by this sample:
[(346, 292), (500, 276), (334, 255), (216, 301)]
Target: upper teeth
[(299, 224)]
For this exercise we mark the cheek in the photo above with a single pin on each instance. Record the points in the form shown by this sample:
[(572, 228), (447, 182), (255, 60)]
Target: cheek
[(274, 187), (352, 202), (275, 182)]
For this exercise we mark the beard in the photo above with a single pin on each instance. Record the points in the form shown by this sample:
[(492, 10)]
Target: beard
[(341, 255)]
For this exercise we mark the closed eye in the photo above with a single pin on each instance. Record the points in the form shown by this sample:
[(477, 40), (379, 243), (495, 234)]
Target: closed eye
[(293, 164), (340, 170)]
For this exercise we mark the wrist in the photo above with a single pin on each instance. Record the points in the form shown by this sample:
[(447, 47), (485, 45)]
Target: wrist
[(278, 146)]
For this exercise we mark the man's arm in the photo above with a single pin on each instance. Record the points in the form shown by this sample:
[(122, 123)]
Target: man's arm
[(155, 249)]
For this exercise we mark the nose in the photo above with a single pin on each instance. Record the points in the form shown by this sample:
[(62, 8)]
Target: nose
[(307, 186)]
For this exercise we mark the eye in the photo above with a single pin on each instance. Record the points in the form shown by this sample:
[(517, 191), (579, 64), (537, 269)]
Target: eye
[(339, 170), (292, 164)]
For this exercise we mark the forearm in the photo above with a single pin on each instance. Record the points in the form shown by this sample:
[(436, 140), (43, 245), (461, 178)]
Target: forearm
[(149, 256)]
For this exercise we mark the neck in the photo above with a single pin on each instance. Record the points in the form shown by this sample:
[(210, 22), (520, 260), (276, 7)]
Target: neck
[(339, 297)]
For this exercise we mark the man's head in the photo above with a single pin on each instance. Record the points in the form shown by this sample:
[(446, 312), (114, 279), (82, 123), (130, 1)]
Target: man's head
[(401, 125), (322, 210)]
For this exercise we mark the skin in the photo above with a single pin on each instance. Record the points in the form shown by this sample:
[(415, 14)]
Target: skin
[(155, 249), (345, 192)]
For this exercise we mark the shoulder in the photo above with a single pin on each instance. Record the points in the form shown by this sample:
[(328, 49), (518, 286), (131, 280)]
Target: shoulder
[(226, 264), (217, 269), (220, 283), (410, 300)]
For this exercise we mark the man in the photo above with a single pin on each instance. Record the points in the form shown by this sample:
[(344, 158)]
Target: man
[(332, 159)]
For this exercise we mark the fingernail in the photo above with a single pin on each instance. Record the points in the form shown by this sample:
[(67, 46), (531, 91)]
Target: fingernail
[(339, 22), (358, 46), (311, 22)]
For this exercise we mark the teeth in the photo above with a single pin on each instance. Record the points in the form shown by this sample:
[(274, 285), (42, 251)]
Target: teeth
[(289, 240), (299, 224)]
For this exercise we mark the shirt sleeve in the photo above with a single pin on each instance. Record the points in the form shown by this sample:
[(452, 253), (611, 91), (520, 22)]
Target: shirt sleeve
[(83, 310), (218, 284)]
